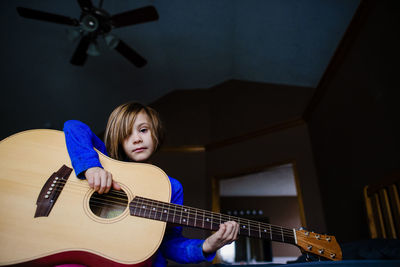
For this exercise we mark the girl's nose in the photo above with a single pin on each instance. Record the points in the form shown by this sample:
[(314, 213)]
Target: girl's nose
[(137, 138)]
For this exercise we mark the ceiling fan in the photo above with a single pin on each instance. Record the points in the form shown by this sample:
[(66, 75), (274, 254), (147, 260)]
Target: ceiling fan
[(95, 22)]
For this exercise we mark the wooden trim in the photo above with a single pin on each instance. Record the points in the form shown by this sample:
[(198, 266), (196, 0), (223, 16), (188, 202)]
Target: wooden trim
[(387, 181), (215, 198), (237, 139), (251, 135), (183, 149), (380, 216), (370, 214), (395, 203), (337, 58), (299, 196), (389, 214)]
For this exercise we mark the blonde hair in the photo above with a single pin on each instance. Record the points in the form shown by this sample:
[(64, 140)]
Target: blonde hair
[(120, 125)]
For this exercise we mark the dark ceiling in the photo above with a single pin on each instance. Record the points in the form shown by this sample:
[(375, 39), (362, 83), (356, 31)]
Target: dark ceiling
[(194, 44)]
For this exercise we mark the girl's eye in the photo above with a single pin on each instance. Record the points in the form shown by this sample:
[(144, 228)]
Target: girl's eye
[(144, 130)]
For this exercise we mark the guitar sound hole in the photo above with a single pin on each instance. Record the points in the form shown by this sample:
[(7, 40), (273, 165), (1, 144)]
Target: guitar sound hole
[(108, 205)]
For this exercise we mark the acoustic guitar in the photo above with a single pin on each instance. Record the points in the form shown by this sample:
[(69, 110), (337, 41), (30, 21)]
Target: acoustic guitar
[(49, 216)]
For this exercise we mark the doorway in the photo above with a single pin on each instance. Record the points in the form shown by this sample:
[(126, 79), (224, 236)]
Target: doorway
[(268, 194)]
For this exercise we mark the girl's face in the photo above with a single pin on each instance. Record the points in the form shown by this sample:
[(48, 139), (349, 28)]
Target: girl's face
[(139, 146)]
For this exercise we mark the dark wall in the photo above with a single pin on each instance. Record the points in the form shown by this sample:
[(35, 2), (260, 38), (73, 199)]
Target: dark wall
[(355, 128), (233, 110)]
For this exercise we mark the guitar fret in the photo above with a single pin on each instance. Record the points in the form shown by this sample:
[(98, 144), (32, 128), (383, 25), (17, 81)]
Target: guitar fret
[(166, 211), (155, 210), (185, 220), (180, 217), (144, 209), (244, 227), (163, 215), (135, 210), (173, 218), (276, 236), (187, 216), (161, 211), (139, 206), (152, 209)]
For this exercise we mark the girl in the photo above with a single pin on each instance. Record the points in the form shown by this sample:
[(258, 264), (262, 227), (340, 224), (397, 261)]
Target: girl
[(134, 133)]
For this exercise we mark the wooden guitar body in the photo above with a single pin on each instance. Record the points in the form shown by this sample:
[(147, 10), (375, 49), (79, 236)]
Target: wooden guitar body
[(27, 161)]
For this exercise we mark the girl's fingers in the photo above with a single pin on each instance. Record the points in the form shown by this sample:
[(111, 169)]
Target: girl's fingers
[(116, 185), (108, 183)]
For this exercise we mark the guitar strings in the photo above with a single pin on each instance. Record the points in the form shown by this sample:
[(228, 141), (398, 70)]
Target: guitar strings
[(255, 230), (190, 214), (221, 217), (225, 217)]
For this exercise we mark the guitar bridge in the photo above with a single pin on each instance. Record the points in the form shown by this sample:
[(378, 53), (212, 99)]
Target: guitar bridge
[(51, 190)]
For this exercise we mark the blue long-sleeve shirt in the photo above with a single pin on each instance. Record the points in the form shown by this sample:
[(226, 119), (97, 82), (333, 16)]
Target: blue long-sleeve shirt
[(80, 141)]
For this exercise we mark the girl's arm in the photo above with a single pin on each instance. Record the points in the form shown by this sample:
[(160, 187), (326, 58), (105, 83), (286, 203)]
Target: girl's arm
[(81, 142), (174, 245), (185, 250)]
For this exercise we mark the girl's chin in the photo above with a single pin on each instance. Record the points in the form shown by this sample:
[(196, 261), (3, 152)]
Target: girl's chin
[(141, 158)]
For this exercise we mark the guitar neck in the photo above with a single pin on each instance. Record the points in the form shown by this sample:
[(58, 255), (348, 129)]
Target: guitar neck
[(202, 219)]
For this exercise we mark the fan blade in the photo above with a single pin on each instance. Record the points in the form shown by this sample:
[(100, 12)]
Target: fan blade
[(80, 55), (136, 16), (85, 5), (40, 15), (130, 54)]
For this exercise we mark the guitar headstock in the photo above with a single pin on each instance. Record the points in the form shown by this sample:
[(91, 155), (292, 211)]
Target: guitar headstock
[(324, 246)]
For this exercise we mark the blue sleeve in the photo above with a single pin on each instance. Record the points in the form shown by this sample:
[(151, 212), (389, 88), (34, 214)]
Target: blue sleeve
[(174, 245), (80, 141)]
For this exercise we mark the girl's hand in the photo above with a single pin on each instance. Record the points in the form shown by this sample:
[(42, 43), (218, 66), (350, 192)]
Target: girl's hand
[(100, 180), (226, 234)]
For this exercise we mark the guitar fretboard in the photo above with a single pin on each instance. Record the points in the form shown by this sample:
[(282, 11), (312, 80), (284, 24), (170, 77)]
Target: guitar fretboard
[(197, 218)]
